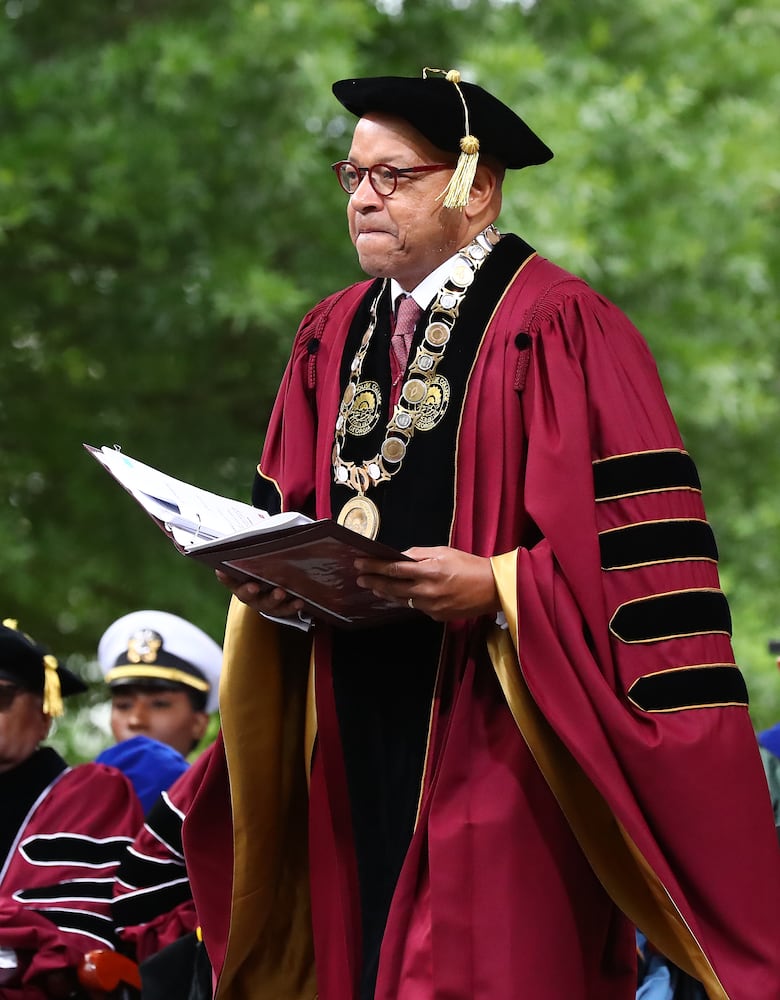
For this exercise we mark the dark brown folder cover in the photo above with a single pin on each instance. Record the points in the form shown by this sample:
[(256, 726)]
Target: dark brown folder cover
[(315, 563)]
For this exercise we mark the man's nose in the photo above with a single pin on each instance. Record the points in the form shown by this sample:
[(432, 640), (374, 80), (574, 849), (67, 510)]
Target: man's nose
[(137, 718), (364, 195)]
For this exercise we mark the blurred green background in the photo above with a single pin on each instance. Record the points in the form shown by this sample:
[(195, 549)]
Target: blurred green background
[(167, 214)]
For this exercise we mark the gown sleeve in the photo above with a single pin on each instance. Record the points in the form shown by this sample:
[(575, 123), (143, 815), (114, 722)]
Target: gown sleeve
[(622, 634)]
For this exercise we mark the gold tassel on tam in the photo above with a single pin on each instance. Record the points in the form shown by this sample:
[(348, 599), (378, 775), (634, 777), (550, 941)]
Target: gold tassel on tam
[(52, 692), (456, 194)]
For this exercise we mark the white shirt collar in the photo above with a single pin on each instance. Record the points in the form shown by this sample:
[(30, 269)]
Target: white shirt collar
[(424, 293)]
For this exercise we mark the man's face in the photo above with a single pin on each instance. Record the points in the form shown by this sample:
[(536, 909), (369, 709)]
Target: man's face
[(405, 235), (165, 716), (23, 725)]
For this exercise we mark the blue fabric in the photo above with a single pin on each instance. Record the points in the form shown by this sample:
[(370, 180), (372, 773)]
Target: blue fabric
[(656, 981), (151, 766), (660, 979), (769, 739), (657, 984)]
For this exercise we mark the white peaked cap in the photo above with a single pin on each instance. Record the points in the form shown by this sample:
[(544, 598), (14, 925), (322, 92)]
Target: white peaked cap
[(158, 647)]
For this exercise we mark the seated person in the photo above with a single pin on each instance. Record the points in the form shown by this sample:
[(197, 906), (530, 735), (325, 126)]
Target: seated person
[(62, 831), (163, 674), (153, 909)]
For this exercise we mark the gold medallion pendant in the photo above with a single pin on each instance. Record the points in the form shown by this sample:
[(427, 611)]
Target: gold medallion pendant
[(365, 412), (361, 515), (434, 406)]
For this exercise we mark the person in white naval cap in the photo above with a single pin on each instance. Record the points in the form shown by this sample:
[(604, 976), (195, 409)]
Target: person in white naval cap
[(163, 674)]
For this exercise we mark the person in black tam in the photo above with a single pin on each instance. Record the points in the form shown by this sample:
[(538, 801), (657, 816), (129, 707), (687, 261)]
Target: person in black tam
[(62, 830), (481, 800)]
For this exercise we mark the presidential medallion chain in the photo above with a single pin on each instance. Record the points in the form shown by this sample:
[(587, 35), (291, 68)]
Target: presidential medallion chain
[(424, 395)]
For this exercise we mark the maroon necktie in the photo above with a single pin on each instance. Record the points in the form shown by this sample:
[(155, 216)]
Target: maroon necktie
[(405, 322)]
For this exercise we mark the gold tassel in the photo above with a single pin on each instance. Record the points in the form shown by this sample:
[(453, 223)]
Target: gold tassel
[(52, 691), (456, 193)]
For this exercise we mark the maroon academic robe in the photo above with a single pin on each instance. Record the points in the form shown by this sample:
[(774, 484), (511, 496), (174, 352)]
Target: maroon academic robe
[(57, 877), (567, 776)]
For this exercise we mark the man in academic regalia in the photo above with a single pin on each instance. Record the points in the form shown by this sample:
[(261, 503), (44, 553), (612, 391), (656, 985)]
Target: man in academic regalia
[(62, 832), (503, 783)]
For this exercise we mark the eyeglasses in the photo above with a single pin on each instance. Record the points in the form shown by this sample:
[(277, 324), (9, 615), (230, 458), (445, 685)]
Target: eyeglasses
[(8, 693), (382, 177)]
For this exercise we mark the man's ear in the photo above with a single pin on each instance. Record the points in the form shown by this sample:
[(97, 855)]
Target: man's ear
[(484, 188), (199, 725)]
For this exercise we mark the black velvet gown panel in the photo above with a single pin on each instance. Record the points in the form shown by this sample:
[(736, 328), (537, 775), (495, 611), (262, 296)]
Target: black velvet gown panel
[(384, 677)]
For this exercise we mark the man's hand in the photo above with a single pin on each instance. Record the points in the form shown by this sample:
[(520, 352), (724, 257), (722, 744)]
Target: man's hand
[(267, 600), (444, 583)]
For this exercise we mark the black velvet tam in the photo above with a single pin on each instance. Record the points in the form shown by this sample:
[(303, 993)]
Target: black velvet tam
[(434, 107), (22, 663)]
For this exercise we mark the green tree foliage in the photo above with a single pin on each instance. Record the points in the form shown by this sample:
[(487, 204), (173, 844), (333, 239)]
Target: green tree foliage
[(167, 215)]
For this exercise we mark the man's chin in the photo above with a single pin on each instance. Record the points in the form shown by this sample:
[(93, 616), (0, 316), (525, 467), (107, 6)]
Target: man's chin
[(377, 265)]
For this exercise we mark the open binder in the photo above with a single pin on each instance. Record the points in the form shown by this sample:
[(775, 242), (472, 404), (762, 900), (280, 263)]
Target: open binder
[(312, 560)]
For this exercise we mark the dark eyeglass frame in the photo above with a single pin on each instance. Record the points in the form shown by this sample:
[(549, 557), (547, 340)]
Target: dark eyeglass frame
[(395, 173), (8, 693)]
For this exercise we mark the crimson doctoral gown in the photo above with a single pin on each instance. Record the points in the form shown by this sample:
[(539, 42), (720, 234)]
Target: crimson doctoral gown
[(567, 787), (57, 877)]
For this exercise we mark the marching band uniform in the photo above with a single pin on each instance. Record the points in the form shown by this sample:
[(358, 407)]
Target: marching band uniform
[(152, 903)]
